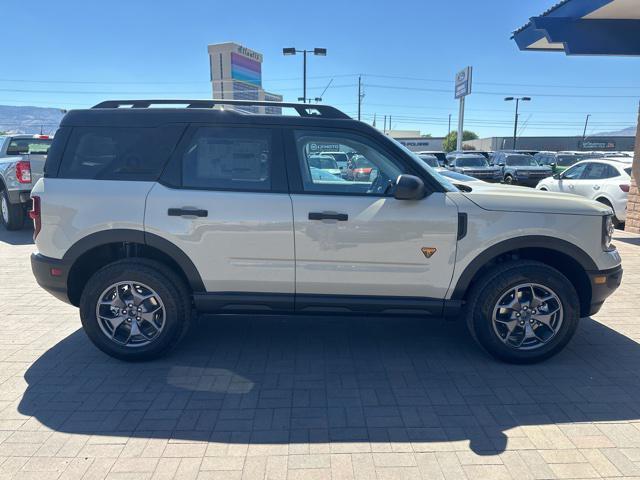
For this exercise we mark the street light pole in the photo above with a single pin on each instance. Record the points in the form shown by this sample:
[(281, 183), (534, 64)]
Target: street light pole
[(304, 76), (316, 51), (515, 121)]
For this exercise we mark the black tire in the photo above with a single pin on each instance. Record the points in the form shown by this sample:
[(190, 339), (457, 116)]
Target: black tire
[(616, 223), (168, 286), (489, 289), (543, 189), (508, 179), (12, 216)]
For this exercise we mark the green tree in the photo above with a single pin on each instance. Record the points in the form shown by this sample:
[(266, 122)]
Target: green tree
[(450, 141)]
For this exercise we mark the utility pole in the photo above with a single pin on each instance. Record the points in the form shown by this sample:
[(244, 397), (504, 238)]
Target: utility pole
[(359, 95), (390, 123), (584, 132), (449, 129), (384, 130)]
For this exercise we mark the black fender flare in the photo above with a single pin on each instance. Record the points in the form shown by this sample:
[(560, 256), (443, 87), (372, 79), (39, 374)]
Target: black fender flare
[(526, 241), (140, 237)]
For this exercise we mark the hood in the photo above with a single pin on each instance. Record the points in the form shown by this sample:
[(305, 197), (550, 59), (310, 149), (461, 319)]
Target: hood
[(487, 167), (527, 200), (534, 168)]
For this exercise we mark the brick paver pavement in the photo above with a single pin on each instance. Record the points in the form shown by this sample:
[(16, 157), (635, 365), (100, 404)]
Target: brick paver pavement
[(313, 398)]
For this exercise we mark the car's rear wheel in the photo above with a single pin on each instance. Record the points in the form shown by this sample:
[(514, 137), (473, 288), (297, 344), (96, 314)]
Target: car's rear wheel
[(135, 309), (523, 311), (508, 179), (12, 216)]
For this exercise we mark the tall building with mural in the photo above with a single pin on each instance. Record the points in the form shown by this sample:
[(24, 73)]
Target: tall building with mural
[(236, 74)]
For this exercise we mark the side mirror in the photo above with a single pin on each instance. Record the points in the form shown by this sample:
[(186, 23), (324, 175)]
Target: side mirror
[(409, 187), (501, 164), (552, 164)]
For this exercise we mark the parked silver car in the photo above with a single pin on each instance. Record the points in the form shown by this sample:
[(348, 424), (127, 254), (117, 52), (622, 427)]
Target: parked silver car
[(22, 160)]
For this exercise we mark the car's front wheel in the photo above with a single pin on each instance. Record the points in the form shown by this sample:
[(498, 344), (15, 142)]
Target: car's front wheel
[(508, 179), (135, 309), (523, 311)]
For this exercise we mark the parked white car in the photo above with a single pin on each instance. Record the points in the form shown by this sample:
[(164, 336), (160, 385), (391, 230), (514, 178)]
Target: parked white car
[(604, 180)]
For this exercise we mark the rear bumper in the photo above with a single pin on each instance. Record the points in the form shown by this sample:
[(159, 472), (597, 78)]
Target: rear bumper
[(19, 196), (51, 274), (603, 284)]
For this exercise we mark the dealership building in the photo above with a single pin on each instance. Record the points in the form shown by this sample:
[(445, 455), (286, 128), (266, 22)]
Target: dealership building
[(236, 74), (555, 144)]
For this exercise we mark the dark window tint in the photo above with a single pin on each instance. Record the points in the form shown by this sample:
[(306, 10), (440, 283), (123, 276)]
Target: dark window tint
[(118, 153), (628, 170), (521, 161), (228, 158), (32, 146), (597, 171)]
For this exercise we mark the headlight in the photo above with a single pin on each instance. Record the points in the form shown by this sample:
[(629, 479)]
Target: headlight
[(607, 233)]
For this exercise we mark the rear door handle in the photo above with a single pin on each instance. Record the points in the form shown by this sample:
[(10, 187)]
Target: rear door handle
[(341, 217), (187, 212)]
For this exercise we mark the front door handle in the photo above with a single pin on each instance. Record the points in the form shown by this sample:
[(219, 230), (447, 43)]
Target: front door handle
[(341, 217), (187, 212)]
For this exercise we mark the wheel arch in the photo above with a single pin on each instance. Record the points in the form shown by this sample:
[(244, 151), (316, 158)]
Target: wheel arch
[(569, 259), (94, 251)]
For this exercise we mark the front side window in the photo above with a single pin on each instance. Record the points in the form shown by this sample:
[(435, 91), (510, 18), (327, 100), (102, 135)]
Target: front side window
[(574, 172), (118, 153), (369, 171), (228, 158)]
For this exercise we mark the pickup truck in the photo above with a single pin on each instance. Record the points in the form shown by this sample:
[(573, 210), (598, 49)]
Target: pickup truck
[(22, 160)]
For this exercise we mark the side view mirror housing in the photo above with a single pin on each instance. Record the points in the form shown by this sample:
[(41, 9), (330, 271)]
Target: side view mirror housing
[(501, 164), (409, 187)]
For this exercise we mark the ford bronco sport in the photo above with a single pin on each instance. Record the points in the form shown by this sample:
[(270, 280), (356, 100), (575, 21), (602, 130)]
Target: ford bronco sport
[(145, 215)]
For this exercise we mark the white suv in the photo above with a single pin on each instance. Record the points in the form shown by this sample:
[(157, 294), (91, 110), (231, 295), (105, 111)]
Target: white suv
[(147, 214), (604, 180)]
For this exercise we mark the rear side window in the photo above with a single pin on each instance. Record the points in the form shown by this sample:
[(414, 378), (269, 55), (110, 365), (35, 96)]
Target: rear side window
[(229, 158), (118, 153), (31, 146)]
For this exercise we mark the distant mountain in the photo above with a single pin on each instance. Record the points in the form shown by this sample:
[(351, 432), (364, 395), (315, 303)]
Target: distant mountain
[(29, 119), (625, 132)]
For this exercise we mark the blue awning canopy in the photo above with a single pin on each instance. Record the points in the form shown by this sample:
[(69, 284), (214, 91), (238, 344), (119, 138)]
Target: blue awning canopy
[(584, 27)]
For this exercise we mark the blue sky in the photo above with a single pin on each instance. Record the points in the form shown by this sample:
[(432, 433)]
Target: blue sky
[(74, 53)]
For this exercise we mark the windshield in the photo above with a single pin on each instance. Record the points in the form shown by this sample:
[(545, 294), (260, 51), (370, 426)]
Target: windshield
[(326, 163), (33, 146), (450, 187), (521, 161), (566, 160), (430, 160), (469, 161)]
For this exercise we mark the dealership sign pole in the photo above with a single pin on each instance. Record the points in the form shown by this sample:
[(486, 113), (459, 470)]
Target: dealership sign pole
[(463, 88)]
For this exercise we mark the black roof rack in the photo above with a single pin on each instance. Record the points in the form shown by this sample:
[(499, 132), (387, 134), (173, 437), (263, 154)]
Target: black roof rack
[(303, 109)]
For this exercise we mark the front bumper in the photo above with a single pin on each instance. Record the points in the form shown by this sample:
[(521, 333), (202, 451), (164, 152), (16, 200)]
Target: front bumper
[(19, 196), (51, 274), (527, 181), (603, 283)]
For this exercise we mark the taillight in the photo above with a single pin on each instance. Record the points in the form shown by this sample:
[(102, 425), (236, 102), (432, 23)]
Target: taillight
[(624, 187), (35, 214), (23, 171)]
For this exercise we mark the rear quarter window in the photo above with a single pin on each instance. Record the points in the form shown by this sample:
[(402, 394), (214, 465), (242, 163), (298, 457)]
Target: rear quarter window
[(118, 153)]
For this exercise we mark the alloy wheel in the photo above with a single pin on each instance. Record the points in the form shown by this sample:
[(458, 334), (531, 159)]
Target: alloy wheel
[(527, 316), (130, 314)]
